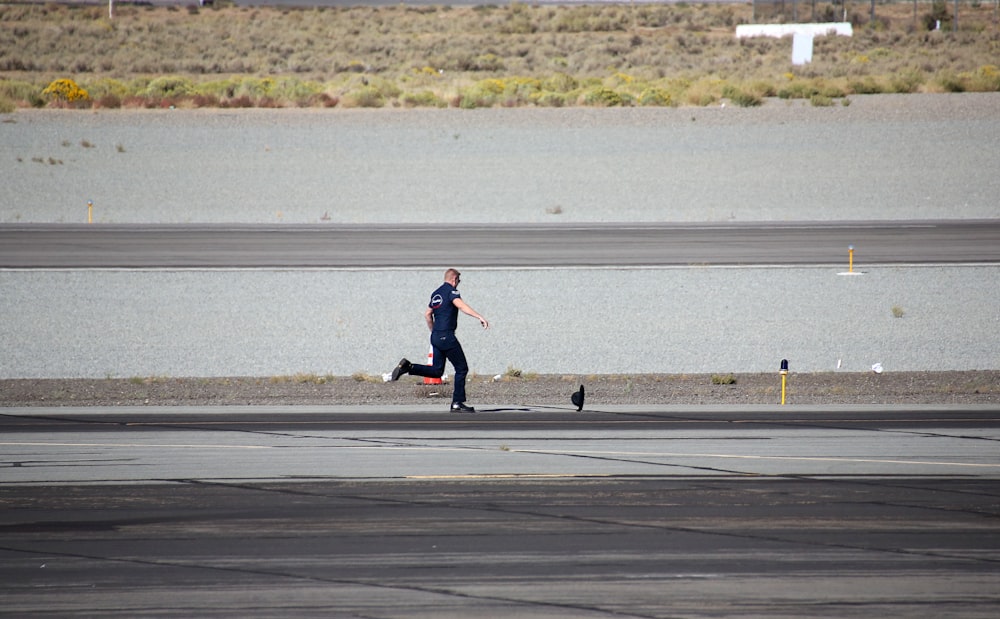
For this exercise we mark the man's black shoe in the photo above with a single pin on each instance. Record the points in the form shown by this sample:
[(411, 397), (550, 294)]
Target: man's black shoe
[(403, 367), (460, 407)]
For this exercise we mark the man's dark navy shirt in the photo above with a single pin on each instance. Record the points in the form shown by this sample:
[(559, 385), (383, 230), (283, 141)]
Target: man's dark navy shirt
[(443, 305)]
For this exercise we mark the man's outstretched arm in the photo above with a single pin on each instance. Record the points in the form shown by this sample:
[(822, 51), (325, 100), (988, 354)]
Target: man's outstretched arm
[(462, 305)]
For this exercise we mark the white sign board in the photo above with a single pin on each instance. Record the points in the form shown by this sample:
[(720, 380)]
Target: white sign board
[(802, 48)]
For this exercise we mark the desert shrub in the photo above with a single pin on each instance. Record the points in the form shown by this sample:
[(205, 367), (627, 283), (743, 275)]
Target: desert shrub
[(950, 82), (983, 79), (106, 86), (519, 91), (559, 82), (522, 86), (365, 96), (655, 97), (205, 100), (700, 97), (133, 101), (830, 90), (592, 19), (603, 97), (17, 90), (551, 99), (819, 100), (799, 89), (484, 93), (486, 62), (865, 86), (220, 89), (253, 87), (743, 98), (353, 66), (65, 91), (907, 81), (108, 101), (424, 98), (619, 79), (705, 91), (763, 88), (15, 63), (606, 42), (723, 379), (366, 91), (293, 90), (237, 102), (513, 372), (324, 100), (168, 86)]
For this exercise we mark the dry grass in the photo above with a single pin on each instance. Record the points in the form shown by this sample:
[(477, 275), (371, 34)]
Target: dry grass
[(509, 55)]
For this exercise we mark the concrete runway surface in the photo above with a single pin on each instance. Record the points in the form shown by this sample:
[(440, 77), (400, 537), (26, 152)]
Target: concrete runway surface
[(517, 511)]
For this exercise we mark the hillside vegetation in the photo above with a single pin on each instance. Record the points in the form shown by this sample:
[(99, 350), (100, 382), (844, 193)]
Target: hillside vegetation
[(66, 55)]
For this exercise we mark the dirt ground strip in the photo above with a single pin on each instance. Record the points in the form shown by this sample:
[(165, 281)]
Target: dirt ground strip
[(833, 388)]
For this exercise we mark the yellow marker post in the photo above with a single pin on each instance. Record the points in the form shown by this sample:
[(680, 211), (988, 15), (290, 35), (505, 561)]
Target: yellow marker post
[(784, 376), (850, 258), (90, 211)]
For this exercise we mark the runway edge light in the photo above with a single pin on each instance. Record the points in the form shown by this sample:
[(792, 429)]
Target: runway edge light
[(784, 376), (850, 262)]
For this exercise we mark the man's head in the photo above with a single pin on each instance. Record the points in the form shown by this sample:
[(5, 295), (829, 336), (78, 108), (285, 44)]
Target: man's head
[(452, 276)]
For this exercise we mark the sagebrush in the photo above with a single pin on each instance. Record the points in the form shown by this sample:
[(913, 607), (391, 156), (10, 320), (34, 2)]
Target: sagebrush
[(507, 55)]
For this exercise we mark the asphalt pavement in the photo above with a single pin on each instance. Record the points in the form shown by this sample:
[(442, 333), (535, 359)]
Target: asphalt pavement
[(515, 512), (496, 246)]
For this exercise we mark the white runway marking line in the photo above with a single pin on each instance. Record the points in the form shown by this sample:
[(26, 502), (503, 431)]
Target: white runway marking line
[(750, 457)]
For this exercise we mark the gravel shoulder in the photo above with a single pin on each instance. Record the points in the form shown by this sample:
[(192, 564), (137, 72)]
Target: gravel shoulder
[(497, 167), (883, 157), (981, 388)]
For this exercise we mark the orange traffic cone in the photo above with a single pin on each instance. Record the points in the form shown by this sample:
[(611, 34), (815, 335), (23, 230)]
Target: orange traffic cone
[(430, 361)]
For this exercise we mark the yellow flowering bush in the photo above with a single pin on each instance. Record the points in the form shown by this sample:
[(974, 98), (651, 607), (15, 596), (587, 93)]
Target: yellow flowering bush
[(66, 91)]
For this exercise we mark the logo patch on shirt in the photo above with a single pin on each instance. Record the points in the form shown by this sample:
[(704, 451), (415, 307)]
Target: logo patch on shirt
[(437, 301)]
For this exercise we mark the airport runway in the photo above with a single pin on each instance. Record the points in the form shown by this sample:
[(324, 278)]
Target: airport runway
[(518, 511), (516, 245)]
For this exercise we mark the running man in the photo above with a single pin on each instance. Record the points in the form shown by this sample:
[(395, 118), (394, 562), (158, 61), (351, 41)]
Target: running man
[(442, 320)]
